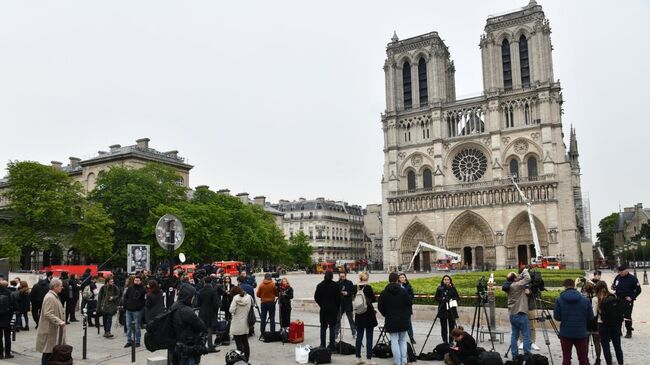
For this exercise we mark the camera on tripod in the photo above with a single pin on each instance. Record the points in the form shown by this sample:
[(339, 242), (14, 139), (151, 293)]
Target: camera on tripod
[(536, 281), (481, 288)]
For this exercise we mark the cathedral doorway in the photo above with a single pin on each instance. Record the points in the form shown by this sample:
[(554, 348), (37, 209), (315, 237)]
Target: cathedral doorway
[(415, 233), (467, 257), (468, 233), (519, 239), (480, 260), (522, 255)]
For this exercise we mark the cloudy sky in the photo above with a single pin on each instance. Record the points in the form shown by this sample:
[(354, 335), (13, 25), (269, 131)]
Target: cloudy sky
[(282, 98)]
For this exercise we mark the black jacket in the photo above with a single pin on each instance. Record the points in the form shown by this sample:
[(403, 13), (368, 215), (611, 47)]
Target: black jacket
[(328, 298), (285, 296), (443, 295), (21, 300), (70, 292), (346, 300), (7, 308), (626, 286), (368, 319), (187, 326), (208, 302), (394, 303), (466, 347), (38, 292), (154, 305), (134, 299)]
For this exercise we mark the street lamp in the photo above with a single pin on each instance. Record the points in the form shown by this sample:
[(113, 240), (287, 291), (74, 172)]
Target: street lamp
[(642, 242), (634, 247)]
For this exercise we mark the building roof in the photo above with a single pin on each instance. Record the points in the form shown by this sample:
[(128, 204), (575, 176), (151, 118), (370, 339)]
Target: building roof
[(626, 216), (317, 204), (136, 151)]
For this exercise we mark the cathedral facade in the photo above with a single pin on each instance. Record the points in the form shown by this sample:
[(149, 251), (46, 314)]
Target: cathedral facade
[(449, 164)]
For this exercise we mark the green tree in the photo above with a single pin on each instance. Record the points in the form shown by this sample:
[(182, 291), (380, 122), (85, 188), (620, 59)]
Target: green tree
[(607, 227), (94, 235), (300, 249), (43, 202)]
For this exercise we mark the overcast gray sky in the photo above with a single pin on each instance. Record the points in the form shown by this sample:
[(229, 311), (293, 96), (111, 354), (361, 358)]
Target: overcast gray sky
[(282, 98)]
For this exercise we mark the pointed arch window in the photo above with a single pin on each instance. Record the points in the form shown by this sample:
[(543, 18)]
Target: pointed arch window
[(507, 65), (509, 116), (532, 167), (422, 82), (410, 179), (514, 168), (523, 61), (528, 118), (427, 181), (406, 82)]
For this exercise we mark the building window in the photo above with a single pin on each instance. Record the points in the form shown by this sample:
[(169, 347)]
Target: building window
[(514, 168), (528, 118), (410, 178), (507, 66), (422, 82), (406, 82), (532, 167), (523, 61), (427, 181), (469, 165), (509, 116)]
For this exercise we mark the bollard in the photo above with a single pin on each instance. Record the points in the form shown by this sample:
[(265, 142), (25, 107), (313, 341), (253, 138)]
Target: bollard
[(132, 341), (645, 277), (12, 325), (84, 324), (96, 321)]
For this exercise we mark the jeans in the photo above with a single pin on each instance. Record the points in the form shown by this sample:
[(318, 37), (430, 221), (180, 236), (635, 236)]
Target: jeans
[(267, 308), (612, 334), (137, 317), (582, 348), (241, 341), (519, 325), (19, 320), (350, 320), (410, 330), (398, 346), (323, 333), (359, 342), (108, 321)]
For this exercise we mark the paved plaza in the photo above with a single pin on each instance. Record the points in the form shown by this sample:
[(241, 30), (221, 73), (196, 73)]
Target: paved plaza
[(111, 352)]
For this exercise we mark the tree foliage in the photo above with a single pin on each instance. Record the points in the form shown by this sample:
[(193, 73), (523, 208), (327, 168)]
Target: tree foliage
[(607, 227), (300, 250), (94, 235)]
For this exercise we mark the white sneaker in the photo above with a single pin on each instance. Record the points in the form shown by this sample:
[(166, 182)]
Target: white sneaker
[(521, 345), (535, 347)]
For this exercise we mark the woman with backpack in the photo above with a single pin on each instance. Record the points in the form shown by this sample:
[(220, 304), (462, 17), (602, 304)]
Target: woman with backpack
[(447, 297), (239, 309), (404, 282), (364, 319), (589, 291), (610, 318)]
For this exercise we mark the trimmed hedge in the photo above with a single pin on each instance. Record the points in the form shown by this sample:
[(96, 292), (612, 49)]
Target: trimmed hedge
[(466, 285)]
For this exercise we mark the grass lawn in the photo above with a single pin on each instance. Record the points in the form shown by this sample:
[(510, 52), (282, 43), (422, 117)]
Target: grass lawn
[(465, 283)]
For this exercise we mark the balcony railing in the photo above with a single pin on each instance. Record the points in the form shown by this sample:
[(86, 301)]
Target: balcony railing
[(475, 185)]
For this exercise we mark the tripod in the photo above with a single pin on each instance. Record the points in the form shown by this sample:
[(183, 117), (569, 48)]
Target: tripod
[(428, 334), (481, 299)]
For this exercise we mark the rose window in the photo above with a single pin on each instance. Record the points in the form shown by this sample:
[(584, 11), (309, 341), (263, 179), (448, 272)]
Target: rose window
[(469, 165)]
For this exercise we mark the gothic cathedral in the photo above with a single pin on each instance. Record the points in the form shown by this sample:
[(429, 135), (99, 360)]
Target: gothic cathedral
[(448, 163)]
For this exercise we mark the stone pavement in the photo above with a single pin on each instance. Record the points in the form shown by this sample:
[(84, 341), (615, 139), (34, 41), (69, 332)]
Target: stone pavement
[(111, 352)]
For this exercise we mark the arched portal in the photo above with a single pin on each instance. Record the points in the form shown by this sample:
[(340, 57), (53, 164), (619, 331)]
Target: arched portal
[(415, 233), (469, 232), (519, 239)]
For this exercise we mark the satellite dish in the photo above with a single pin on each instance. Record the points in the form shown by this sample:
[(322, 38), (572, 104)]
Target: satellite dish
[(181, 257), (167, 224)]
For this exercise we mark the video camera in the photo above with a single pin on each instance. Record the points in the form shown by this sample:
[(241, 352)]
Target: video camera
[(482, 287), (536, 281)]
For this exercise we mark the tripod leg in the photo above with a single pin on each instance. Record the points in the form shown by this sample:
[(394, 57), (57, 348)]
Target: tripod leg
[(487, 320), (428, 334)]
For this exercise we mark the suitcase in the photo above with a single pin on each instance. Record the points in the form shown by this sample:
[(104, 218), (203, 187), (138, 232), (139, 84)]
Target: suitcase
[(61, 354), (296, 332), (320, 355)]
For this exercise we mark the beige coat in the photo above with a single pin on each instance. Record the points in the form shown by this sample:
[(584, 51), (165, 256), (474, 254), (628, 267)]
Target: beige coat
[(48, 324), (239, 308)]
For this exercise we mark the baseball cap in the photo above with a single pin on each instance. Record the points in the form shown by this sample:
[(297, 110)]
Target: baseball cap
[(622, 268)]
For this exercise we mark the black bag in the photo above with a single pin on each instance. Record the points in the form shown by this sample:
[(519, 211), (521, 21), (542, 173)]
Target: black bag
[(490, 358), (382, 350), (160, 332), (612, 311), (428, 356), (271, 337), (61, 354), (320, 355), (344, 348), (442, 349), (251, 317), (537, 359)]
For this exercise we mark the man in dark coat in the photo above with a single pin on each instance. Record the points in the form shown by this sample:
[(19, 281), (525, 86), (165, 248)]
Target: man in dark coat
[(7, 309), (134, 301), (348, 291), (394, 303), (187, 327), (208, 302), (328, 298), (37, 295), (627, 288)]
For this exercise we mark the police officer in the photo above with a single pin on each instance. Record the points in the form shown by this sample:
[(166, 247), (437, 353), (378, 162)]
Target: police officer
[(627, 288), (188, 328)]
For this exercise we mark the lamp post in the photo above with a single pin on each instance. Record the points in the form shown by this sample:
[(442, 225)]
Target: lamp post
[(634, 247), (642, 242)]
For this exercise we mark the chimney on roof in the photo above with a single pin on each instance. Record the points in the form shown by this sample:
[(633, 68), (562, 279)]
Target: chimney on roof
[(101, 152), (143, 143), (223, 191), (114, 147), (203, 187), (74, 162), (173, 154), (302, 199), (56, 164), (260, 200), (243, 197)]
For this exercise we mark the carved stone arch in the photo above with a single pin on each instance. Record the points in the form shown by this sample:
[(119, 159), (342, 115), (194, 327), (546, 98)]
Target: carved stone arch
[(504, 35), (525, 30), (461, 146), (403, 58), (409, 240), (469, 232), (519, 234), (421, 54), (408, 162), (425, 166), (511, 147)]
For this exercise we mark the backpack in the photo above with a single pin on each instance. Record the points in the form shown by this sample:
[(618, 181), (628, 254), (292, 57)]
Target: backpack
[(160, 332), (382, 350), (5, 304), (612, 311), (320, 355), (359, 305)]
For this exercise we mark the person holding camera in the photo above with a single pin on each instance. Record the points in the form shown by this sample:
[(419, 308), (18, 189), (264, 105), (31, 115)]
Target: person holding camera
[(267, 292), (515, 286), (447, 297), (574, 312), (285, 295), (188, 329), (347, 292)]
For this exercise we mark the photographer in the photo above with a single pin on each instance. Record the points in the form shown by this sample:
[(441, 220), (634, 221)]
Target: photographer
[(447, 312), (515, 286), (188, 328), (285, 294), (347, 291), (267, 292)]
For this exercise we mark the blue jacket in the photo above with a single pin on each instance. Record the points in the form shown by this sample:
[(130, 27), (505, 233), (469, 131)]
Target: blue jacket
[(626, 286), (248, 289), (574, 312)]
